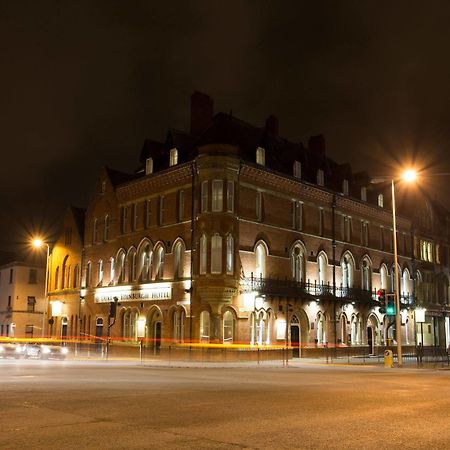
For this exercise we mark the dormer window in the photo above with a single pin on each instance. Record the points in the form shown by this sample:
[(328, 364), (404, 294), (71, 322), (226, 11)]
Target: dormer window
[(364, 194), (297, 169), (380, 200), (173, 157), (320, 178), (260, 156), (345, 187), (149, 166)]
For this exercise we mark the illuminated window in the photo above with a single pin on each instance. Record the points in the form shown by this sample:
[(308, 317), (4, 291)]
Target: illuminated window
[(364, 194), (88, 274), (178, 260), (31, 303), (100, 272), (149, 166), (347, 271), (204, 326), (321, 268), (228, 327), (203, 255), (121, 267), (111, 270), (146, 263), (131, 263), (173, 157), (366, 274), (298, 263), (380, 200), (260, 156), (217, 195), (260, 260), (65, 274), (383, 277), (230, 196), (230, 254), (216, 253), (159, 269)]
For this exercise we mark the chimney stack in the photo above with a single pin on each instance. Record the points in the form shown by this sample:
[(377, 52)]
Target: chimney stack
[(202, 110)]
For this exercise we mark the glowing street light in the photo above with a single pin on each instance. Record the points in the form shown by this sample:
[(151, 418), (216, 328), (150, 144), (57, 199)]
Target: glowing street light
[(409, 176), (39, 243)]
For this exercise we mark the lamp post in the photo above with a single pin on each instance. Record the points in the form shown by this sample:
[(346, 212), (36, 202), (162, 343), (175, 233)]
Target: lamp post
[(39, 243), (408, 176)]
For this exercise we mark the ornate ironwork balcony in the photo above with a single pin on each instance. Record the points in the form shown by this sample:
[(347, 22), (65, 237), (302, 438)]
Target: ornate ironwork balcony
[(305, 290)]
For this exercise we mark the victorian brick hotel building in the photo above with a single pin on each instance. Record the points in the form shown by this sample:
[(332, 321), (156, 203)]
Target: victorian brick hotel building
[(230, 233)]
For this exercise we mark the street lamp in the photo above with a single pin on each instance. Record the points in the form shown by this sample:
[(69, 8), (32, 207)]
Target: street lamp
[(409, 176), (39, 243)]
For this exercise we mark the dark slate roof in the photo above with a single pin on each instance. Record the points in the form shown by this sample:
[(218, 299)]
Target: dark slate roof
[(79, 216), (117, 177)]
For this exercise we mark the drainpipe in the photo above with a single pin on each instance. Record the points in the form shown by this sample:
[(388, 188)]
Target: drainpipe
[(193, 246)]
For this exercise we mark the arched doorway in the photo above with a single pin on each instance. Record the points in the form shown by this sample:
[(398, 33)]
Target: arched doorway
[(154, 330), (295, 336)]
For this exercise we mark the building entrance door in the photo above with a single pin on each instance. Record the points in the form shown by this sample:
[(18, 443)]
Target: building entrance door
[(157, 337), (295, 341), (370, 340)]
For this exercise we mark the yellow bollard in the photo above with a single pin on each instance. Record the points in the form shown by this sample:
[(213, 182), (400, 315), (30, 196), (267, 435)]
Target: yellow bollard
[(388, 359)]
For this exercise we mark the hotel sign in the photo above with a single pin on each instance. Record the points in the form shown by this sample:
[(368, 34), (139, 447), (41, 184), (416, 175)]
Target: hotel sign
[(157, 291)]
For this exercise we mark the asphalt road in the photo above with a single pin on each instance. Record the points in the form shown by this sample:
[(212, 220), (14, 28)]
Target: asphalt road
[(77, 405)]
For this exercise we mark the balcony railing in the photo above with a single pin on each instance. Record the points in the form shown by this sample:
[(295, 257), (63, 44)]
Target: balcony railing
[(307, 290)]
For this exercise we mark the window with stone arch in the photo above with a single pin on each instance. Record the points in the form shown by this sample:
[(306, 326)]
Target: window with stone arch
[(321, 269), (159, 263), (132, 265), (203, 254), (100, 273), (356, 330), (228, 327), (366, 274), (216, 253), (129, 324), (178, 260), (178, 325), (383, 276), (260, 260), (347, 268), (120, 269), (230, 254), (204, 326), (321, 328), (65, 275), (145, 261), (298, 262), (405, 289)]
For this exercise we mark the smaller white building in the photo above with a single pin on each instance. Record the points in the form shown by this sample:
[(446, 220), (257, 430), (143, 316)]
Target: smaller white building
[(22, 295)]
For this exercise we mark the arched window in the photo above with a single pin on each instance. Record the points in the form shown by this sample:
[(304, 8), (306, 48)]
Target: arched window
[(260, 328), (178, 260), (145, 262), (228, 327), (120, 270), (230, 254), (76, 276), (347, 271), (89, 274), (129, 324), (405, 290), (260, 260), (57, 278), (112, 270), (131, 264), (321, 327), (100, 272), (64, 283), (383, 277), (106, 228), (321, 268), (204, 326), (178, 325), (419, 286), (380, 200), (298, 263), (203, 254), (216, 253), (159, 269), (366, 275)]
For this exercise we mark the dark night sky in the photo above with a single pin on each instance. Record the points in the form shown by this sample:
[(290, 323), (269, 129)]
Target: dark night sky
[(84, 83)]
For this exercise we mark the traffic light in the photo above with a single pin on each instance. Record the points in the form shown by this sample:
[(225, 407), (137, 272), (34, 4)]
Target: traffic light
[(390, 308), (381, 295), (113, 308)]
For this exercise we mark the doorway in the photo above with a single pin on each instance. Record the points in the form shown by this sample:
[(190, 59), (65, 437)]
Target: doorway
[(370, 340), (157, 338), (295, 337)]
